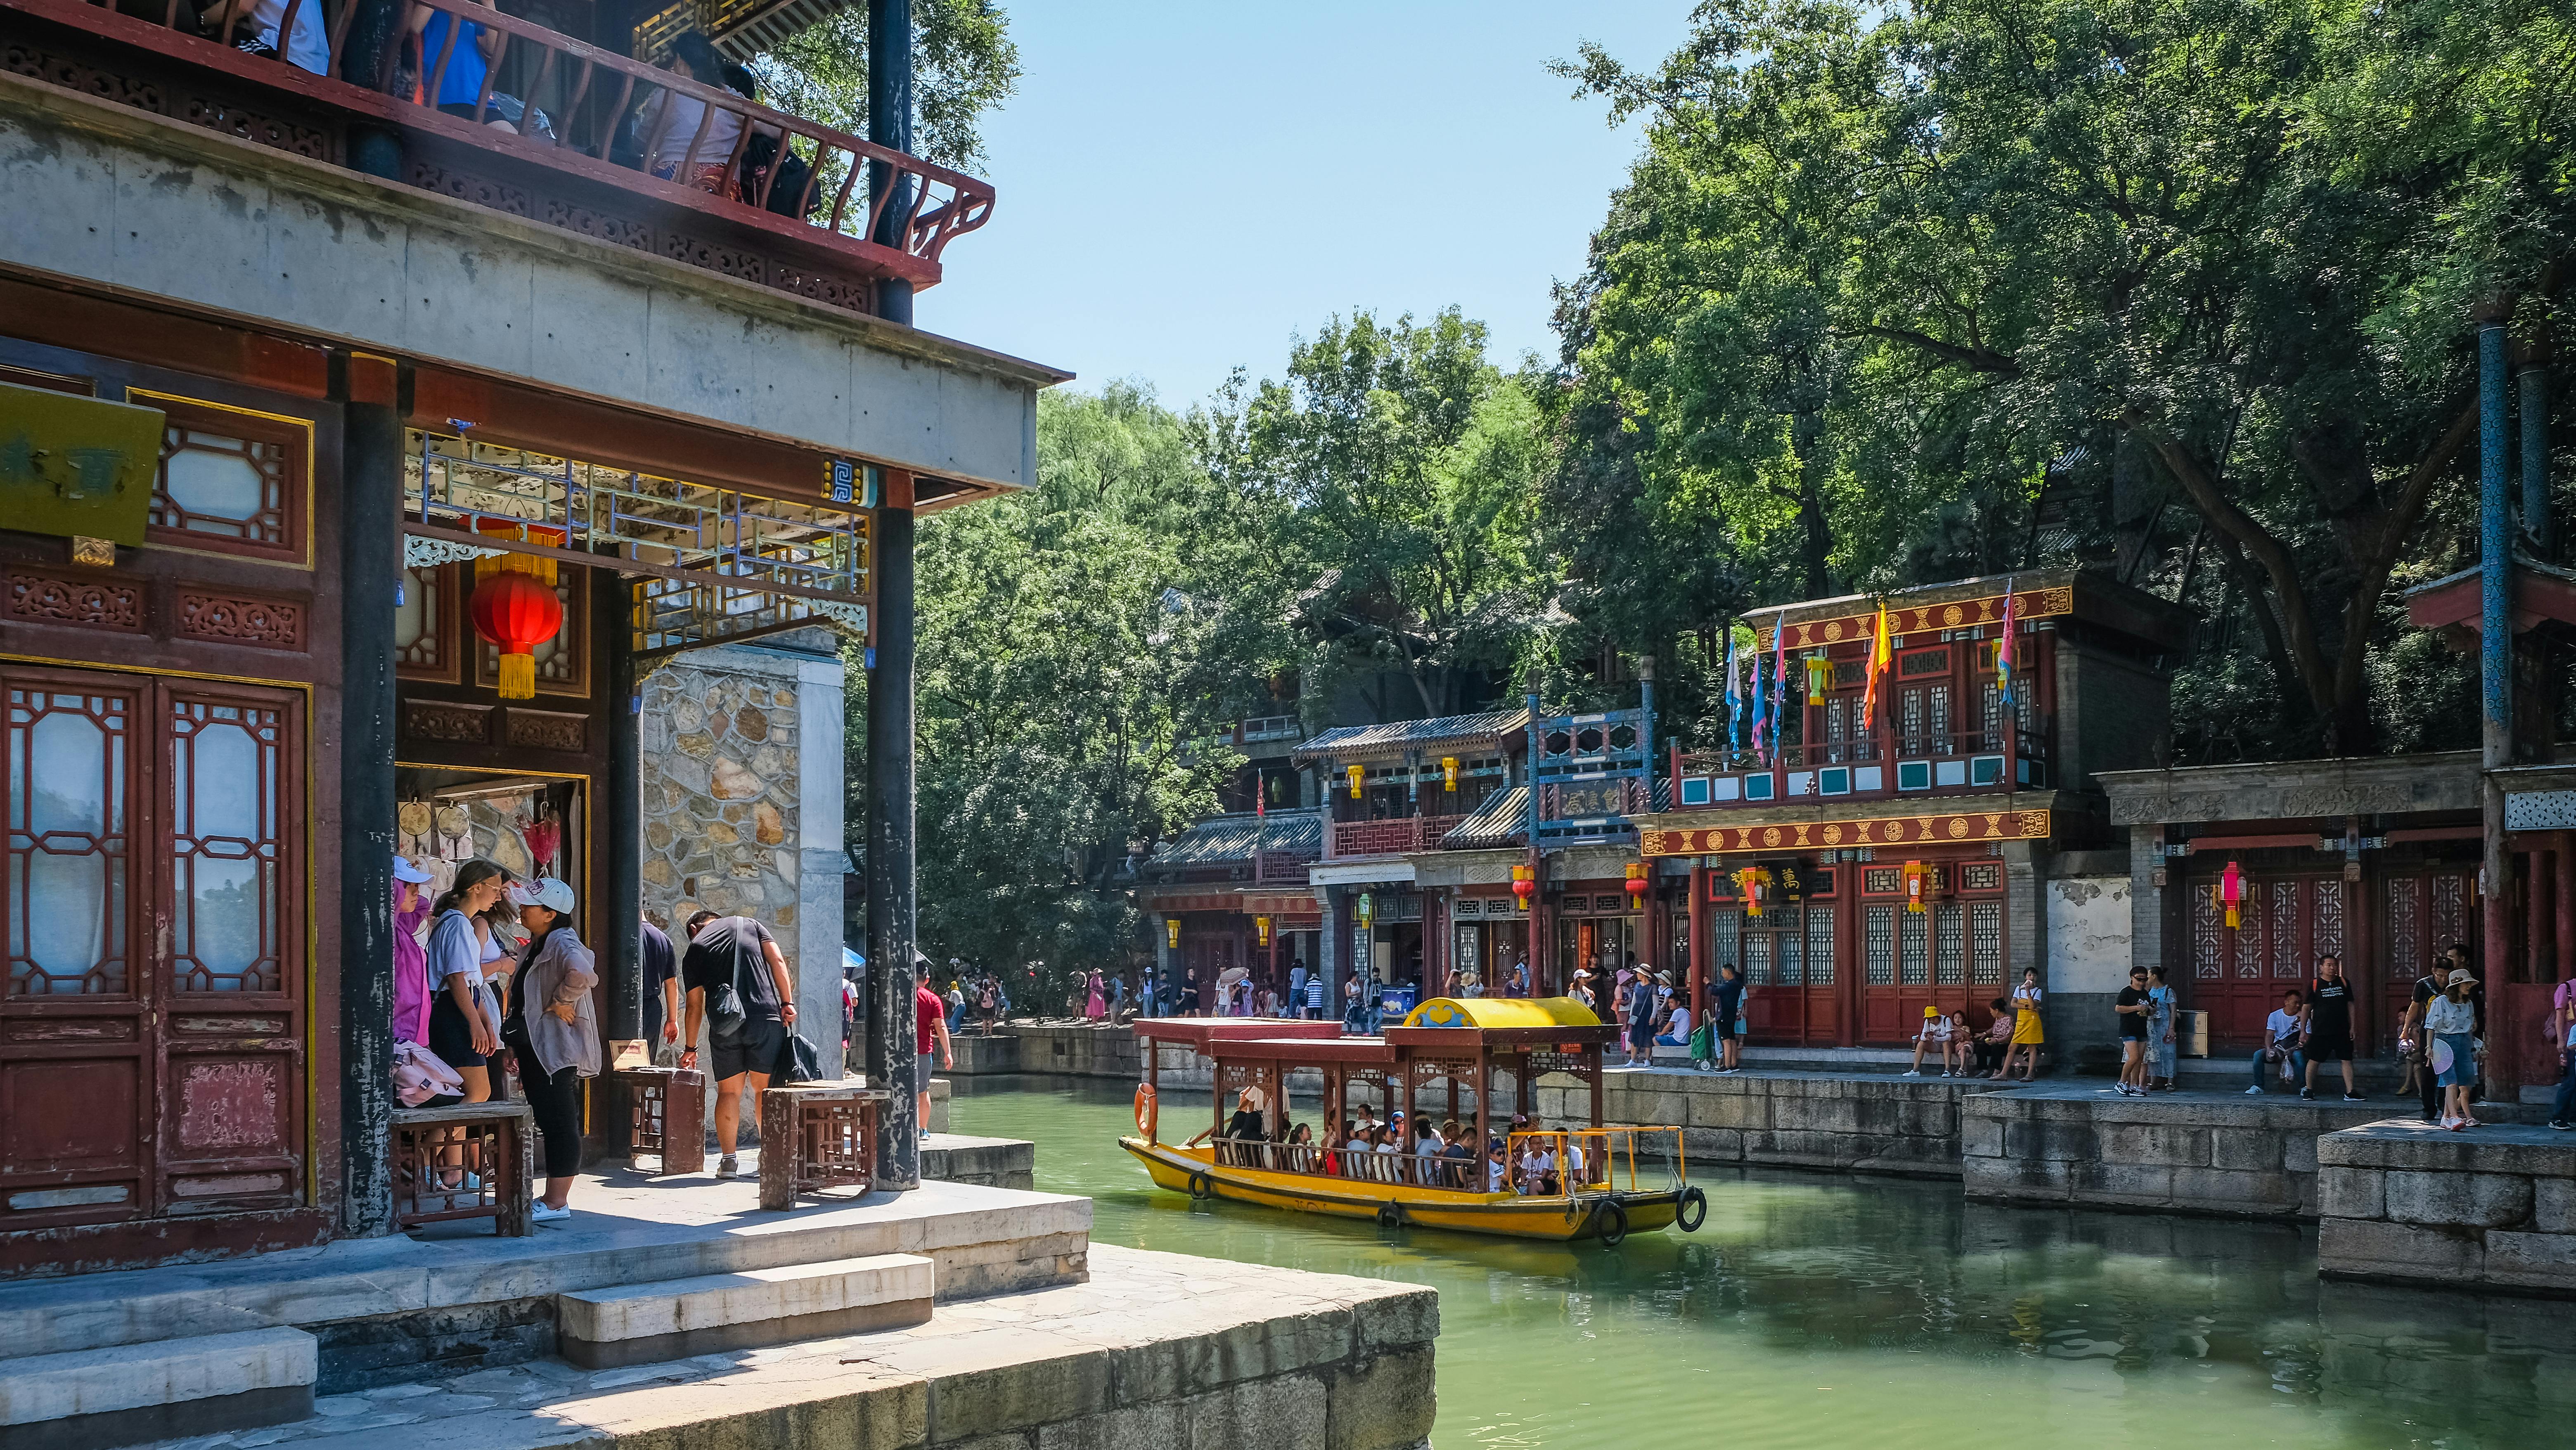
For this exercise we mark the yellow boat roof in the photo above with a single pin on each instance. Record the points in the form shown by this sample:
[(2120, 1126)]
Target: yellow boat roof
[(1496, 1012)]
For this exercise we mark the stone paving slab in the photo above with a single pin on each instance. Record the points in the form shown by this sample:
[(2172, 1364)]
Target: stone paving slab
[(1151, 1337)]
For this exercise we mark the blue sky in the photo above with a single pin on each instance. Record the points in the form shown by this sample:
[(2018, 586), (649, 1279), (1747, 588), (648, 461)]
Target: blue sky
[(1184, 186)]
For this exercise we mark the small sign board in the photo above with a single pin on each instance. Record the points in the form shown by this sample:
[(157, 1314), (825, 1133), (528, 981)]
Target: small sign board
[(76, 467)]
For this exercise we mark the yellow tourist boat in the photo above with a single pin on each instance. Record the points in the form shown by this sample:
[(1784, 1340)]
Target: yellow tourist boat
[(1571, 1182)]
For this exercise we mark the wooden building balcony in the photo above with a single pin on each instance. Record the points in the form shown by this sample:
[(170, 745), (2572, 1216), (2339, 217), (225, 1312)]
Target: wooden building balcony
[(1872, 767), (561, 131)]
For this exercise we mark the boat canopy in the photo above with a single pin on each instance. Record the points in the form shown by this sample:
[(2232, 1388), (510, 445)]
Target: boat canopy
[(1503, 1012)]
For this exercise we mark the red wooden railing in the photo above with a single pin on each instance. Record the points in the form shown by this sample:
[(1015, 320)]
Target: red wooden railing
[(1391, 838), (916, 207)]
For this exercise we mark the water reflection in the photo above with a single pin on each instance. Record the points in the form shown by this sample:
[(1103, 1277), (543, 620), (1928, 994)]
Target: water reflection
[(1820, 1311)]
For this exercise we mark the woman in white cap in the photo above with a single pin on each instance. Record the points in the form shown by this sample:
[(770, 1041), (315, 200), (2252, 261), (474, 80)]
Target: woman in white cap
[(552, 1028), (2451, 1026)]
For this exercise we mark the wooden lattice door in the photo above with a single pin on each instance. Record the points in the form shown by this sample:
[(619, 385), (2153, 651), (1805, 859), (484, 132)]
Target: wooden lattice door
[(152, 1033)]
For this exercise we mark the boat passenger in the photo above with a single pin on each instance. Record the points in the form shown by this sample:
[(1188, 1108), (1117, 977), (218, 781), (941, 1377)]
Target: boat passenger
[(1498, 1168), (1427, 1149), (1460, 1153), (1389, 1167)]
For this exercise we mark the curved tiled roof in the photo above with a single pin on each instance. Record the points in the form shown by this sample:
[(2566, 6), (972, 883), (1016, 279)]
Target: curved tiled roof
[(1222, 839), (1398, 736)]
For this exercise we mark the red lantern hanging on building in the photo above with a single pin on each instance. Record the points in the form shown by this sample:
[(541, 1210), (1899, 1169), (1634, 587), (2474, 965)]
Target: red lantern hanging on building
[(1917, 878), (517, 613), (1749, 882), (1636, 885), (1524, 885), (2231, 892)]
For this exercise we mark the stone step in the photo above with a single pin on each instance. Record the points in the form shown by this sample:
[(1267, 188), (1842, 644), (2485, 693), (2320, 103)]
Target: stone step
[(676, 1318), (89, 1399)]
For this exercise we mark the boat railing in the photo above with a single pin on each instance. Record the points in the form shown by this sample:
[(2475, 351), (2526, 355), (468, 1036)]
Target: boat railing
[(1604, 1160), (1364, 1165)]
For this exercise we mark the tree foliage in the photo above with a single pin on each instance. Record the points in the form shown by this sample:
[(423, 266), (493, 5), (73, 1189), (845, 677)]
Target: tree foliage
[(964, 64), (1928, 289)]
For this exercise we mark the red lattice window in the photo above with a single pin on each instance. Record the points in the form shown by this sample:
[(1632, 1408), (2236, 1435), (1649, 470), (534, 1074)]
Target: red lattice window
[(1882, 880), (1792, 966), (2450, 911), (2249, 919), (1725, 937), (1986, 941), (2325, 918), (1941, 719), (225, 847), (1757, 958), (67, 855), (2406, 954), (1820, 948), (2208, 936), (232, 480), (1949, 948), (1878, 945), (1981, 876), (2287, 964), (1913, 962)]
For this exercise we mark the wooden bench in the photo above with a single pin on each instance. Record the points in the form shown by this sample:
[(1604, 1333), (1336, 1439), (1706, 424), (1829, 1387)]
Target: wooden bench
[(817, 1135), (496, 1142), (666, 1117)]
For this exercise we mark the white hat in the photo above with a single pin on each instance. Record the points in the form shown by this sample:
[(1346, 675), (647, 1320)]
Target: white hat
[(404, 870), (545, 891)]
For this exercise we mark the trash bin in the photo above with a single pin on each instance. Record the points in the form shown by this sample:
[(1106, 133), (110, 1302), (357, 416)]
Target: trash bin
[(2191, 1034), (1394, 1004)]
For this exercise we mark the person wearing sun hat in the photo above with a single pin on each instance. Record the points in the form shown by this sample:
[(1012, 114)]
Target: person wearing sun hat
[(2451, 1027), (1934, 1033), (552, 1028), (411, 959)]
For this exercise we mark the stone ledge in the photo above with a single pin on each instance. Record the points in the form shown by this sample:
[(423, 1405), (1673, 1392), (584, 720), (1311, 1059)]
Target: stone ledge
[(1157, 1351)]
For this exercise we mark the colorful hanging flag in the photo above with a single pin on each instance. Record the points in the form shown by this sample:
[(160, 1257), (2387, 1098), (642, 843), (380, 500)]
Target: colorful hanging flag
[(1734, 697), (1879, 666), (1779, 682), (1758, 702), (2004, 651)]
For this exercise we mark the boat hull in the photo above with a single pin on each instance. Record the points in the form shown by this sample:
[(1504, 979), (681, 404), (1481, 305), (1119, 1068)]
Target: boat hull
[(1559, 1220)]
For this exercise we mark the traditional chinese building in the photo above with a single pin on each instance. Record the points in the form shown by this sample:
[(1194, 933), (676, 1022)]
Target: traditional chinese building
[(1876, 862), (367, 466)]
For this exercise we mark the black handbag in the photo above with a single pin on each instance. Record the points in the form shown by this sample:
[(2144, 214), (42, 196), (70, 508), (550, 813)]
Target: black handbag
[(797, 1061)]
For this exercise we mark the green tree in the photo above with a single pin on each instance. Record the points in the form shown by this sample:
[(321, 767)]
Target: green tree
[(1978, 260), (1395, 471), (964, 64), (1062, 678)]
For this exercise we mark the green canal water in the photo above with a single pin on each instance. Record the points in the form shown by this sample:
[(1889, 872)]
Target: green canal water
[(1836, 1312)]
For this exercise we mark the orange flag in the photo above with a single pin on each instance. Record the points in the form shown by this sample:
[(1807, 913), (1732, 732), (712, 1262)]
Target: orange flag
[(1879, 655)]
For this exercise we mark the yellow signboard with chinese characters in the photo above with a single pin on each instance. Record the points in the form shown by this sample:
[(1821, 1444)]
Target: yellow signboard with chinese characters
[(76, 467)]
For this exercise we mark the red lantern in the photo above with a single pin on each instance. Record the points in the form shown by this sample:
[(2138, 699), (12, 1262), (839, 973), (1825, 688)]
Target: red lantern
[(518, 614), (1636, 885), (2231, 892), (1524, 884), (1915, 879)]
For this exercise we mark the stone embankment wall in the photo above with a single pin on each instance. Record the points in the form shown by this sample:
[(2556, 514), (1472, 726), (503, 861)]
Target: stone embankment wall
[(1867, 1125), (2492, 1208), (2190, 1155)]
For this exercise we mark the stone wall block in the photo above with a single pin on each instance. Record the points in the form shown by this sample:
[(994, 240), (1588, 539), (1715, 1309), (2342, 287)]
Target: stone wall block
[(1981, 1134), (2499, 1200), (1160, 1425), (2364, 1247), (1713, 1145), (1398, 1320), (2351, 1193), (1291, 1411), (2230, 1191), (2428, 1198), (1385, 1403), (2130, 1183), (989, 1399), (2531, 1260), (2169, 1144), (2553, 1205), (2250, 1151)]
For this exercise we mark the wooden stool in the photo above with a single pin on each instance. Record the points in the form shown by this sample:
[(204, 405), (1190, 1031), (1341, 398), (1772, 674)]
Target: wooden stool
[(817, 1135), (496, 1142), (666, 1116)]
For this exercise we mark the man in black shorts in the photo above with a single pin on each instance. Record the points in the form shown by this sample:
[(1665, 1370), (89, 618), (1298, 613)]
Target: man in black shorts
[(2329, 1025), (1726, 1000), (739, 951)]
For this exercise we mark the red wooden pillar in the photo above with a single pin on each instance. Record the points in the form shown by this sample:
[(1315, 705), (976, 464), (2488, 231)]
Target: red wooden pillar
[(2537, 916), (1698, 943)]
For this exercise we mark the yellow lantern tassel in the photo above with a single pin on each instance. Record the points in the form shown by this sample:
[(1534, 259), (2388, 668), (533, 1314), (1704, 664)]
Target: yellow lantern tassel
[(518, 677)]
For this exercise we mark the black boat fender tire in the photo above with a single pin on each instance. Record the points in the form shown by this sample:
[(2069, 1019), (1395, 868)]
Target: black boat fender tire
[(1692, 1211), (1610, 1221), (1390, 1215), (1202, 1186)]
